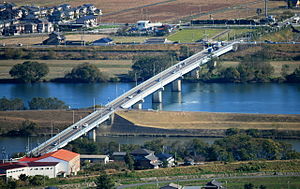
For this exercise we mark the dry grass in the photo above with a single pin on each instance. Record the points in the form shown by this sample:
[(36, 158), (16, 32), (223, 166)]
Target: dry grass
[(10, 120), (204, 120), (31, 40), (58, 68)]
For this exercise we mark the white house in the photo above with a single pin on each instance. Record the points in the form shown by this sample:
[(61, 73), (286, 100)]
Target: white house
[(146, 24), (15, 169)]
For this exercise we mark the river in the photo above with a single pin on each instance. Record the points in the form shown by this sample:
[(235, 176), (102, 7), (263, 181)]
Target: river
[(270, 98)]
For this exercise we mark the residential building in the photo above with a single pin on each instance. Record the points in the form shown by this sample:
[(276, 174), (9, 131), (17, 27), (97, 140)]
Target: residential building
[(103, 41), (87, 21), (15, 169), (94, 158), (167, 158), (146, 24), (213, 185), (119, 156), (145, 159), (55, 38), (68, 162), (30, 28)]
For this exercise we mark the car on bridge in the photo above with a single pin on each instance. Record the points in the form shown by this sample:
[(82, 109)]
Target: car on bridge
[(85, 125)]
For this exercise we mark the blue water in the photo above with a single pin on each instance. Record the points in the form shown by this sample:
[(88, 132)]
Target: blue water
[(243, 98)]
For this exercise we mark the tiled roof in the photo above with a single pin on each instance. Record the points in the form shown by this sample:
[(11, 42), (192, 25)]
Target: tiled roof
[(62, 154), (14, 165)]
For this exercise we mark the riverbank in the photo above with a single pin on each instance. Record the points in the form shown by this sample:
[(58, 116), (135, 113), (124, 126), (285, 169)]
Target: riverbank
[(159, 123), (203, 124)]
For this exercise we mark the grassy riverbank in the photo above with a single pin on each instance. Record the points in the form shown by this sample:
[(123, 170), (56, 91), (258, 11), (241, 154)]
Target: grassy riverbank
[(214, 124), (211, 121)]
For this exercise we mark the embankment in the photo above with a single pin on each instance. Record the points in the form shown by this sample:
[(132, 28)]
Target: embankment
[(166, 123)]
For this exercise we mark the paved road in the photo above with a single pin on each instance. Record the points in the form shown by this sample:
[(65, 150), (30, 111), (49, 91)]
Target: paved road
[(199, 179)]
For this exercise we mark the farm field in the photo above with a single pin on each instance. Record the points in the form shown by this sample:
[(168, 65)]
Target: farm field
[(193, 35), (129, 11), (58, 68), (38, 39)]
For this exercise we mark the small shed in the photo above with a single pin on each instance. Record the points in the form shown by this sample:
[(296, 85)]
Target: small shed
[(103, 41), (171, 186), (214, 185), (119, 156), (94, 158)]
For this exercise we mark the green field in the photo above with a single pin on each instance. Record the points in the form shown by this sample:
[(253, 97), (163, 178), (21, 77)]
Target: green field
[(58, 68), (193, 35)]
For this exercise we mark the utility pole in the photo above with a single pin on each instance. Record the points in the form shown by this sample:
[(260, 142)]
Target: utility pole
[(266, 8)]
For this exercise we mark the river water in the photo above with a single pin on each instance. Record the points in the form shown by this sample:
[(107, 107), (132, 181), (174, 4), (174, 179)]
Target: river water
[(271, 98), (241, 98)]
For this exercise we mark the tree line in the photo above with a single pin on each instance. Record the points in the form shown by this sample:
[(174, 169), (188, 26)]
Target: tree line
[(30, 72), (36, 103), (234, 147)]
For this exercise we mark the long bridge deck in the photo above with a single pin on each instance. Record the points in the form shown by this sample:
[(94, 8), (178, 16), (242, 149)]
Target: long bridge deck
[(128, 99)]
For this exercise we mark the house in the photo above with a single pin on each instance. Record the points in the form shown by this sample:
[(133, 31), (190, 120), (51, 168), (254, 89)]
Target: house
[(55, 38), (68, 162), (15, 169), (119, 156), (44, 26), (30, 28), (189, 161), (103, 41), (171, 186), (213, 185), (145, 159), (146, 24), (95, 158), (87, 21), (168, 158)]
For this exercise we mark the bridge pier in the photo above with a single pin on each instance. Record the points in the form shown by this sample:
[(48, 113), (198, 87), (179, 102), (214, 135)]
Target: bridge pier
[(138, 105), (111, 119), (195, 73), (176, 85), (157, 106), (92, 135), (157, 96)]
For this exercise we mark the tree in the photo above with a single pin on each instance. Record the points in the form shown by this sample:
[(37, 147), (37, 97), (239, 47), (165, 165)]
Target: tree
[(145, 67), (294, 77), (37, 180), (255, 69), (262, 187), (248, 186), (86, 73), (13, 104), (284, 70), (29, 71), (230, 74), (104, 182), (129, 161), (39, 103)]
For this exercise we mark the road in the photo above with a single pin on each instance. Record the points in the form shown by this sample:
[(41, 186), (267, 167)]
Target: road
[(198, 179)]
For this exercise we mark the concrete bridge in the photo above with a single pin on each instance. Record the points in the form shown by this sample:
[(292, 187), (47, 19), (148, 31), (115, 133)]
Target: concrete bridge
[(133, 98)]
